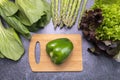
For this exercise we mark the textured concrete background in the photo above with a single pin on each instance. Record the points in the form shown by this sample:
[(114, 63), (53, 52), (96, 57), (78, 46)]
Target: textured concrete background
[(95, 67)]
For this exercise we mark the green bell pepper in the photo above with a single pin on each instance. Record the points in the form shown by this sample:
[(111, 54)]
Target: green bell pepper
[(59, 49)]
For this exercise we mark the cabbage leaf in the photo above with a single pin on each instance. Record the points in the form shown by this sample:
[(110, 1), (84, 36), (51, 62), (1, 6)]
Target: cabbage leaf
[(33, 11), (9, 7), (35, 14), (8, 12), (11, 46)]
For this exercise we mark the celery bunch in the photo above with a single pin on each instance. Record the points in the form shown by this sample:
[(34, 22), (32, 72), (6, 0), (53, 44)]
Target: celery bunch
[(68, 12)]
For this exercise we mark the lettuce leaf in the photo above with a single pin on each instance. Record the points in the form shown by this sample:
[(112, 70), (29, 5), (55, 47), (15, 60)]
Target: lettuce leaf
[(16, 24), (11, 46), (2, 56), (110, 28), (117, 57), (35, 12), (8, 12), (9, 7)]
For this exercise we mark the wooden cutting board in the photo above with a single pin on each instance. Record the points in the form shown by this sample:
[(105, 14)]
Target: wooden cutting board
[(73, 62)]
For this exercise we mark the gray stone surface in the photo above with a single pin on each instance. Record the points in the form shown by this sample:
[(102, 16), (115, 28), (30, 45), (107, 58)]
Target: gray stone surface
[(95, 67)]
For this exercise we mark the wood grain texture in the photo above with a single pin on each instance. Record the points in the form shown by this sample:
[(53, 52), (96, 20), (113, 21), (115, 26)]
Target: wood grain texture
[(73, 62)]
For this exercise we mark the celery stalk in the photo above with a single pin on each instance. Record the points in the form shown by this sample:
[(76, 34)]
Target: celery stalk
[(72, 12), (57, 18), (76, 13), (61, 12), (69, 12), (83, 9), (65, 9)]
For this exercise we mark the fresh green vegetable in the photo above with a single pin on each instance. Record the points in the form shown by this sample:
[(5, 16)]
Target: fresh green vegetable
[(17, 25), (53, 11), (76, 13), (101, 26), (69, 12), (61, 10), (9, 7), (36, 12), (110, 28), (10, 44), (2, 56), (83, 9), (7, 11), (117, 57), (64, 10), (59, 49), (57, 16), (73, 10)]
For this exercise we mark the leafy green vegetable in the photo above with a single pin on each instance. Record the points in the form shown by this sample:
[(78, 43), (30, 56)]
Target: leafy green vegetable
[(90, 23), (1, 56), (35, 12), (110, 28), (53, 11), (10, 44), (101, 26), (117, 57), (9, 7), (7, 11)]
